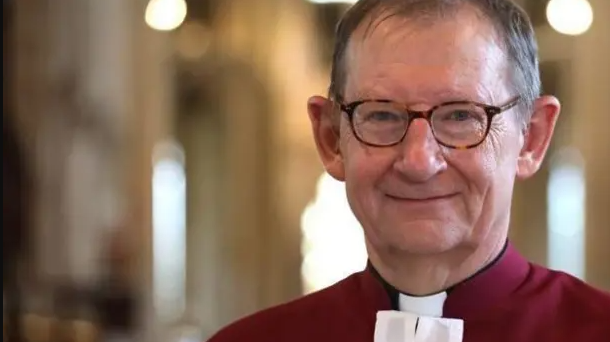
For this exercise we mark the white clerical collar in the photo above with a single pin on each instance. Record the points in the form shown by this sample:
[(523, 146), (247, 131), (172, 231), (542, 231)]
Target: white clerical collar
[(423, 306), (419, 320)]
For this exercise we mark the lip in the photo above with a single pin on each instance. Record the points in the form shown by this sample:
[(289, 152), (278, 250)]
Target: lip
[(422, 200)]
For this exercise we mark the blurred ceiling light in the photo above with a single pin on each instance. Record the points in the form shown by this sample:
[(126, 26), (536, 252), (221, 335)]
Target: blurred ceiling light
[(570, 17), (165, 15), (334, 1)]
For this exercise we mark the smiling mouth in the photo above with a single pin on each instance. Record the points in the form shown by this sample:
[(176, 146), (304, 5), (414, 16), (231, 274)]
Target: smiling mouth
[(431, 199)]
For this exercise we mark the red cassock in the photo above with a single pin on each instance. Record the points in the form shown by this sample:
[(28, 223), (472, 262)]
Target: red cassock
[(510, 301)]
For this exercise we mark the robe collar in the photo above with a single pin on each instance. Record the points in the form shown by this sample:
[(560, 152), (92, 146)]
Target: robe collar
[(469, 298)]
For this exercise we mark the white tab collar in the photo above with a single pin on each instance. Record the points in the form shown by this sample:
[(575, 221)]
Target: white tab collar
[(419, 320), (423, 306)]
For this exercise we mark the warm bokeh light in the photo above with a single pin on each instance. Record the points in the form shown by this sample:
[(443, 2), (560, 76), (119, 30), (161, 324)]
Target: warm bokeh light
[(165, 15), (570, 17), (333, 241)]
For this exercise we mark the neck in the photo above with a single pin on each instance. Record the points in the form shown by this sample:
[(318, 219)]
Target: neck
[(422, 275)]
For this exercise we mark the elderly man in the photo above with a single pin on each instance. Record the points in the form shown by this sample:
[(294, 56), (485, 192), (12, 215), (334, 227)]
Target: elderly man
[(434, 111)]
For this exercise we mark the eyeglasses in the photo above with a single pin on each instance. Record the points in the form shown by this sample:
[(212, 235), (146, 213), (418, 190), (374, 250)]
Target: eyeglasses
[(457, 124)]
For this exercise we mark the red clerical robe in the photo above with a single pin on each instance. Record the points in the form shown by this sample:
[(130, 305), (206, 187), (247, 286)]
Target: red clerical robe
[(510, 301)]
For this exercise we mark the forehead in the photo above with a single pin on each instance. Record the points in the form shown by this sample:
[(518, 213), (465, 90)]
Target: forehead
[(452, 58)]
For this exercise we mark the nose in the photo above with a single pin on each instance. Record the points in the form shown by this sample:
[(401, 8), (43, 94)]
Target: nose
[(420, 157)]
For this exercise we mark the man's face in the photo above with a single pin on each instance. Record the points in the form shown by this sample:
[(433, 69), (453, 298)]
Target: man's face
[(417, 196)]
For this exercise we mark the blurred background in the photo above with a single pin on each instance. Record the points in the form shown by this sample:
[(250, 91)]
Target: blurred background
[(162, 180)]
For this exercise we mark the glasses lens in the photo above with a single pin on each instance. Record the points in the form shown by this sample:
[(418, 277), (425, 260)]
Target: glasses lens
[(459, 124), (379, 123)]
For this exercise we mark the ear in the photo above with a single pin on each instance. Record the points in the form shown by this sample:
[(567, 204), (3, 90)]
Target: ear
[(537, 136), (325, 123)]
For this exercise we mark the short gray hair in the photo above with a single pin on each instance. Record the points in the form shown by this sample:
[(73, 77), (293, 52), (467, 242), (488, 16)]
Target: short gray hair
[(511, 22)]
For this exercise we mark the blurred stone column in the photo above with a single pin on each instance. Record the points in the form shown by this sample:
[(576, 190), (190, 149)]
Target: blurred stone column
[(591, 108), (95, 87), (54, 105), (89, 91), (231, 234), (46, 136), (241, 141)]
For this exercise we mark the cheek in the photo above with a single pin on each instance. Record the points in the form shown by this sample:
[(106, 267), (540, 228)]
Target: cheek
[(476, 167), (486, 161), (488, 170), (365, 165), (361, 170)]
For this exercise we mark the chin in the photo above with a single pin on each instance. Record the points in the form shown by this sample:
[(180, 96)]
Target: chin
[(422, 237)]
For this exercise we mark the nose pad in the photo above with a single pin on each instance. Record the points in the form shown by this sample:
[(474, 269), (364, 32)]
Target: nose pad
[(420, 155)]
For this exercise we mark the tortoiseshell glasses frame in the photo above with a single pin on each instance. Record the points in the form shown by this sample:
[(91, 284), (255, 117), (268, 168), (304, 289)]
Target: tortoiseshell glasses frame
[(455, 124)]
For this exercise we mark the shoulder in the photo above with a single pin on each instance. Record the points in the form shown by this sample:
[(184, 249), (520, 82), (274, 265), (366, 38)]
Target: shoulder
[(573, 295), (289, 319), (578, 294)]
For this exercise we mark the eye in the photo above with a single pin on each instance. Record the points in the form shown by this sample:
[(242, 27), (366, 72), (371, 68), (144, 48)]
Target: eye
[(385, 116), (460, 115)]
